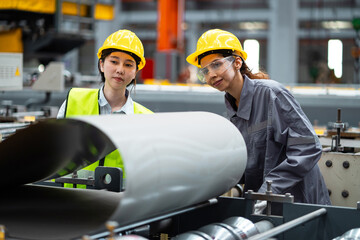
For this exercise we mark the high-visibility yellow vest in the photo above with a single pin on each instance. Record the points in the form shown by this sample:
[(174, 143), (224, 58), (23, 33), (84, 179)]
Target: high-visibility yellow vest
[(85, 101)]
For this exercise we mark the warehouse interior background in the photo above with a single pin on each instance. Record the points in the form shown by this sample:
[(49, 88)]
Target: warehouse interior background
[(311, 46), (49, 46)]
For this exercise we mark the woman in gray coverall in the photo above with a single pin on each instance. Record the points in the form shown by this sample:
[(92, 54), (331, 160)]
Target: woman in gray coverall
[(281, 143)]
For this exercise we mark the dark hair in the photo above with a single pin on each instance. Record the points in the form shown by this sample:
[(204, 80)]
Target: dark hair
[(244, 70), (107, 52)]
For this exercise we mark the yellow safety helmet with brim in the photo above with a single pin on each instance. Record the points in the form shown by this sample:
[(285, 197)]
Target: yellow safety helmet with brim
[(127, 41), (216, 39)]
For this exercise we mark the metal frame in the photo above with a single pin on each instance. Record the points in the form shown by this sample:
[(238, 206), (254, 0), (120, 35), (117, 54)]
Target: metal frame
[(99, 182)]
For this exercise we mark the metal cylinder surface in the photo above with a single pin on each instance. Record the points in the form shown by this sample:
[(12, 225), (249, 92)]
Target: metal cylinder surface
[(172, 160), (243, 227), (220, 231), (352, 234), (192, 235)]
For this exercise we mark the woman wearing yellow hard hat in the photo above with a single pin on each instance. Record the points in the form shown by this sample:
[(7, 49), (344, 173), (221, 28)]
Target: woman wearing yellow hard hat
[(120, 58), (281, 143)]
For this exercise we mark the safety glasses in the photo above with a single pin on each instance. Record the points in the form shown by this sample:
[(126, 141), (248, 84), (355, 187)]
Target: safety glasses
[(218, 66)]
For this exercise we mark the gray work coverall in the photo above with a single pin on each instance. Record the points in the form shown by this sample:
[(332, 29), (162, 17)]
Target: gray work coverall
[(281, 142)]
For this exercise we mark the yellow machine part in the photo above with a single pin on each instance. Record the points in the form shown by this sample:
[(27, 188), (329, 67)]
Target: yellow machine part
[(41, 6), (70, 8), (102, 11), (10, 41), (2, 227)]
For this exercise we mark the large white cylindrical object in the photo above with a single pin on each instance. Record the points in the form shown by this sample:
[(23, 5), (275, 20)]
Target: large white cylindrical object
[(173, 160)]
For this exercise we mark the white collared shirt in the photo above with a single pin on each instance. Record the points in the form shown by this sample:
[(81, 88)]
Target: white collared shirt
[(105, 107)]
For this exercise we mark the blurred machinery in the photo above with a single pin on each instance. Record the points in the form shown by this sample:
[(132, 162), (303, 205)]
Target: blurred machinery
[(14, 117), (47, 29), (44, 30), (355, 51), (340, 162), (169, 56)]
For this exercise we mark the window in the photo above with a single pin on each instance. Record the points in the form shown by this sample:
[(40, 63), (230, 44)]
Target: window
[(252, 48), (335, 56)]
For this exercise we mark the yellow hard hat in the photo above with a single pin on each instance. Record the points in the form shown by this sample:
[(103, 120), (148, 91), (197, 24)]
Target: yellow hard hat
[(127, 41), (216, 39)]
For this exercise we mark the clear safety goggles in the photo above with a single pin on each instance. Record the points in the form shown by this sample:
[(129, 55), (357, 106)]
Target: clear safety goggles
[(218, 66)]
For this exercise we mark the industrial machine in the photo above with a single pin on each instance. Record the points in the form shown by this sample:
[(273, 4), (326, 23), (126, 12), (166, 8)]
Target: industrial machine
[(340, 162), (14, 116), (47, 29), (44, 31), (167, 192)]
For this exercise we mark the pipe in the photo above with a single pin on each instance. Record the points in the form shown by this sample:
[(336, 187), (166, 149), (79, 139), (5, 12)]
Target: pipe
[(286, 226)]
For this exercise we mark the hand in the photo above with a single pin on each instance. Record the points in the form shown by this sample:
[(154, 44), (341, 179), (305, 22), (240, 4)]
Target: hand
[(259, 206)]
